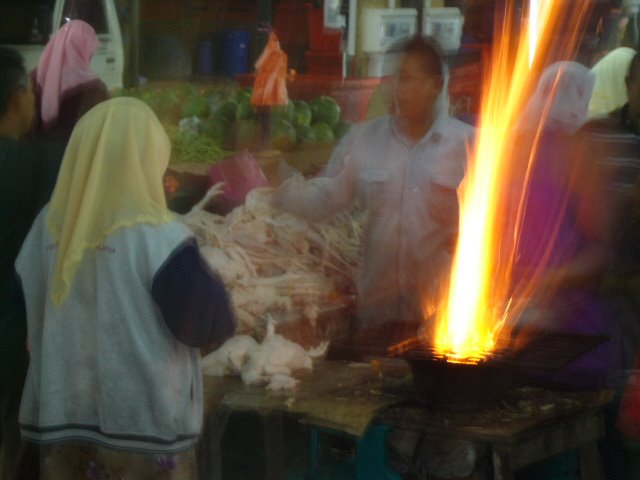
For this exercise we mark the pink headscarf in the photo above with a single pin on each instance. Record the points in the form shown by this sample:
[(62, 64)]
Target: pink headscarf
[(65, 64)]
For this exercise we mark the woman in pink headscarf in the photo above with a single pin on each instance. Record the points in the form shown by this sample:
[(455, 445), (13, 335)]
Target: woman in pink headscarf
[(64, 83)]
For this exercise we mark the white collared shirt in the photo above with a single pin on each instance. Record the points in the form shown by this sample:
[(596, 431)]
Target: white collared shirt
[(409, 190)]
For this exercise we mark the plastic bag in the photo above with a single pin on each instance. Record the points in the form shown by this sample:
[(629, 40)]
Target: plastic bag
[(270, 87), (240, 174)]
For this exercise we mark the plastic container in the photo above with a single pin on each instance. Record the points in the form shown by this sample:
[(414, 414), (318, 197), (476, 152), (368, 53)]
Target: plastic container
[(240, 174), (369, 461), (234, 52), (445, 25), (385, 26), (205, 57)]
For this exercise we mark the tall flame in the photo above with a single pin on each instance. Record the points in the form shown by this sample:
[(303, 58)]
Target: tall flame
[(479, 300), (534, 28)]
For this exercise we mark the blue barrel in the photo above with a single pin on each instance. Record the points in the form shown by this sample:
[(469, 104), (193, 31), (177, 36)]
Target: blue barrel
[(205, 57), (235, 52)]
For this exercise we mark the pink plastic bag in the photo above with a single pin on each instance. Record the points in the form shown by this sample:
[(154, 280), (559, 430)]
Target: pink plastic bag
[(240, 174)]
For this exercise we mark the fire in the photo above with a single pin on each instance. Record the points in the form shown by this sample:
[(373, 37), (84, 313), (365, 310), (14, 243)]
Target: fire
[(479, 299)]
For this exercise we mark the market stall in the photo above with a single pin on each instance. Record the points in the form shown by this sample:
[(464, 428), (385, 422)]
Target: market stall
[(348, 399)]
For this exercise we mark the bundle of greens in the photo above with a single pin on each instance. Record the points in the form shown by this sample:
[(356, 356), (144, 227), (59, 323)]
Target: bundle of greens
[(188, 147)]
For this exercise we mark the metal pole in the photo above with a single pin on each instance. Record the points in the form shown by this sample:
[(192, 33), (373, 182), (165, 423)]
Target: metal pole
[(134, 44)]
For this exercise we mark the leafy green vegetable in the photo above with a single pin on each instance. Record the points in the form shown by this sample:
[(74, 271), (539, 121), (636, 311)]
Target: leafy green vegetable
[(229, 120), (244, 95), (216, 127), (244, 110), (190, 148), (227, 110), (197, 106), (246, 134)]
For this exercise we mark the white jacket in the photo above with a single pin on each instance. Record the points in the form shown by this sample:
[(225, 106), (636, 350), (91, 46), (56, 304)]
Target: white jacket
[(104, 366)]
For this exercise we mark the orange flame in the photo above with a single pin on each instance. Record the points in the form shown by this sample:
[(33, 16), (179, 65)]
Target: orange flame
[(479, 299)]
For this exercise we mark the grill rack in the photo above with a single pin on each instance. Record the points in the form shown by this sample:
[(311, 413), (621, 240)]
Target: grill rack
[(533, 351)]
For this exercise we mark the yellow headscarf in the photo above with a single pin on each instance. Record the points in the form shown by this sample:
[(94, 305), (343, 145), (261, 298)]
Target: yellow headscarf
[(110, 178), (610, 90)]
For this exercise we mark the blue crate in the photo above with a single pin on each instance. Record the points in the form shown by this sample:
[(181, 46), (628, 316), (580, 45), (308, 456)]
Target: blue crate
[(368, 463)]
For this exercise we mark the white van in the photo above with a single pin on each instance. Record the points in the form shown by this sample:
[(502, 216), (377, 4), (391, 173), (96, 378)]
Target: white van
[(108, 61)]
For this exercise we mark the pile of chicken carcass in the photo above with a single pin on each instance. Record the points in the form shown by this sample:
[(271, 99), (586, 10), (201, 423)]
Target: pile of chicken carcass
[(278, 269)]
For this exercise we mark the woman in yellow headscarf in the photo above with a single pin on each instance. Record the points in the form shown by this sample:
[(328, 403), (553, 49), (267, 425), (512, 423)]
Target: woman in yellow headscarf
[(610, 90), (118, 299)]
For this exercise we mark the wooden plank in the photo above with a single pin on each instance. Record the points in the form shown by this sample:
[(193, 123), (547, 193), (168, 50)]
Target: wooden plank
[(333, 392), (567, 434), (505, 423)]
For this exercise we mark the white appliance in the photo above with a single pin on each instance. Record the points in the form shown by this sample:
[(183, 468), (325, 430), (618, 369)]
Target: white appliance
[(108, 61), (331, 15), (384, 27), (445, 25)]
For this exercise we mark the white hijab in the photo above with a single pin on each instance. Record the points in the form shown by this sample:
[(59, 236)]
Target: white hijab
[(561, 99)]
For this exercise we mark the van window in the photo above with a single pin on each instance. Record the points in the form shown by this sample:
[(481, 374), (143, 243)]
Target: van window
[(91, 11)]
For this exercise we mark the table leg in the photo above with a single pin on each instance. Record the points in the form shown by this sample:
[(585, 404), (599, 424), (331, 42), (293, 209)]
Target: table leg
[(273, 438), (501, 464), (210, 445), (314, 444), (590, 466)]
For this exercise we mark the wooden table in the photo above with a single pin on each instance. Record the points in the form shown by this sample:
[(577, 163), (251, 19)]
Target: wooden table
[(336, 395), (530, 426)]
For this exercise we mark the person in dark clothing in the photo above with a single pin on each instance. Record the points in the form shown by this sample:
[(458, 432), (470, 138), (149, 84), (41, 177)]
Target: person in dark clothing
[(612, 29), (27, 177), (614, 142)]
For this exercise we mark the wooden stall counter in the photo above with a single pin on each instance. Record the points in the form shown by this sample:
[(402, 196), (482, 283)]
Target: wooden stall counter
[(339, 395), (530, 425)]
